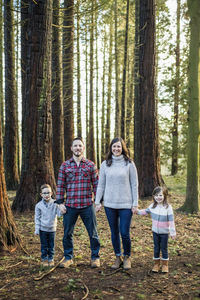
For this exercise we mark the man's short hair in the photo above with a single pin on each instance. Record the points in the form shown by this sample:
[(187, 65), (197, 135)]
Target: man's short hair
[(78, 139)]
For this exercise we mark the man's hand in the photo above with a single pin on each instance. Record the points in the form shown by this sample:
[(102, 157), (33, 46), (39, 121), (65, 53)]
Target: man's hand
[(97, 207), (63, 208)]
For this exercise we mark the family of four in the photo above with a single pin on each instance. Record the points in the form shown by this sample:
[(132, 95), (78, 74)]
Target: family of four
[(117, 188)]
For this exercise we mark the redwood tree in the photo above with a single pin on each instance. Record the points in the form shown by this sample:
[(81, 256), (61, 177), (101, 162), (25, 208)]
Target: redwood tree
[(146, 148), (57, 90), (192, 201), (11, 122), (68, 69), (38, 165), (8, 233)]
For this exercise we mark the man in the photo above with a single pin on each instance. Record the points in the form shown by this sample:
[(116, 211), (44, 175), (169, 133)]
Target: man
[(78, 177)]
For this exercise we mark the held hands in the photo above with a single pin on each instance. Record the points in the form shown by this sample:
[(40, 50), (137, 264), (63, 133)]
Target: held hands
[(63, 208), (134, 210), (98, 207)]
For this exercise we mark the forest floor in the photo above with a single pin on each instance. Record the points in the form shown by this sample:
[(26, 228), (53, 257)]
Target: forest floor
[(19, 272)]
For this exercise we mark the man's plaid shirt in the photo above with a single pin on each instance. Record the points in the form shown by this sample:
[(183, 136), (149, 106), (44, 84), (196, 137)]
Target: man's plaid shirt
[(79, 183)]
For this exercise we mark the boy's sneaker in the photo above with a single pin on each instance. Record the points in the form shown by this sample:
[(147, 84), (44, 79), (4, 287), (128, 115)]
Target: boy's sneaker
[(95, 263), (51, 263), (66, 263), (44, 263)]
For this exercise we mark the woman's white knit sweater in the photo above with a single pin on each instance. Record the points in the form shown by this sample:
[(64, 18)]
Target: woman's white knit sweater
[(118, 184)]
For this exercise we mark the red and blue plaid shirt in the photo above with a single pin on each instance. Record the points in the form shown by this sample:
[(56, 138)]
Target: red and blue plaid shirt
[(79, 183)]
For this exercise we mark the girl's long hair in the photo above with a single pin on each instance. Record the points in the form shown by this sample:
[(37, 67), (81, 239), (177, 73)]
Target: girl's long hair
[(125, 151), (156, 191)]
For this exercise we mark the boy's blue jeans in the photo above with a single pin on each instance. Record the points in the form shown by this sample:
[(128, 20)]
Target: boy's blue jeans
[(47, 245), (120, 221), (160, 243), (88, 217)]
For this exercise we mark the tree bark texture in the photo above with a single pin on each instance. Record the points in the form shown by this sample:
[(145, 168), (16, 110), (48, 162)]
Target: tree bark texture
[(68, 69), (57, 91), (174, 168), (145, 121), (9, 238), (108, 108), (123, 101), (1, 70), (11, 122), (192, 201), (91, 152), (38, 167)]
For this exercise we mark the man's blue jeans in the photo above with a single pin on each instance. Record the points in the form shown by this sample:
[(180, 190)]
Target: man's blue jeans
[(88, 217), (47, 245), (160, 243), (120, 221)]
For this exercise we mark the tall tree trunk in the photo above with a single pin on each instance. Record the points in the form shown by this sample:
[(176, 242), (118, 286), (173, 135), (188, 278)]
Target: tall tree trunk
[(57, 91), (130, 107), (146, 125), (9, 238), (192, 201), (117, 99), (103, 150), (1, 70), (97, 88), (38, 167), (86, 91), (79, 121), (137, 118), (24, 49), (123, 101), (91, 152), (68, 70), (11, 126), (174, 169), (108, 110)]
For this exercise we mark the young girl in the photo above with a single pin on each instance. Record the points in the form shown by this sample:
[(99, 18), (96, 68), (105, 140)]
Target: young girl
[(162, 225), (46, 212)]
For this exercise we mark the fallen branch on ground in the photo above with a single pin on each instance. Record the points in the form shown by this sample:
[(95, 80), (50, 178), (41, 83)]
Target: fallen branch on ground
[(50, 271)]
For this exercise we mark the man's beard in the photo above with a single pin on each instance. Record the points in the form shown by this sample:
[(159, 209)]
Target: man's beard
[(77, 154)]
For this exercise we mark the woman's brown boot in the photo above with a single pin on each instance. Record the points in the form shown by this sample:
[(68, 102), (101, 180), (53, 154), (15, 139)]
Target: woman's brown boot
[(156, 266), (117, 263)]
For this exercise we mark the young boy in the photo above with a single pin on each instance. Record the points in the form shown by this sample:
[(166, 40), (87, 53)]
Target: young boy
[(46, 212)]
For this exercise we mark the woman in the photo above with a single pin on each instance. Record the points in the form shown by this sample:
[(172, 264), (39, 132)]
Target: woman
[(118, 186)]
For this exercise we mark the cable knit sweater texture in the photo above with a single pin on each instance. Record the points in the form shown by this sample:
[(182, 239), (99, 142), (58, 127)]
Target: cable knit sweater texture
[(118, 184)]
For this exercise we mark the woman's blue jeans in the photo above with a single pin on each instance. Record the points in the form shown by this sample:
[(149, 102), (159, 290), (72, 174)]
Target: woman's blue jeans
[(47, 245), (160, 243), (120, 221)]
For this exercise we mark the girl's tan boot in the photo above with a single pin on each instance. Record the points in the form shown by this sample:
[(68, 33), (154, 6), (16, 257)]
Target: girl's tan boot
[(156, 266), (165, 268)]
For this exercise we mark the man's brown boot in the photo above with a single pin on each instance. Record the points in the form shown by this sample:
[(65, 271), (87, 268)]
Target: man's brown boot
[(117, 264), (66, 263), (127, 262), (95, 263), (156, 266), (165, 268)]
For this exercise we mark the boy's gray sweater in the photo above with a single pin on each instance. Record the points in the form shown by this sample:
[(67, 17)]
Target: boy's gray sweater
[(46, 216), (118, 184)]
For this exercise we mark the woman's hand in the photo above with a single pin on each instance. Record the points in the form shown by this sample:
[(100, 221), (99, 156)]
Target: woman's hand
[(173, 237), (134, 210), (97, 207)]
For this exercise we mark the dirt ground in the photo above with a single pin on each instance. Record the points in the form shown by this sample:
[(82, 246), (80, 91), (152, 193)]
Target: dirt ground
[(19, 272)]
